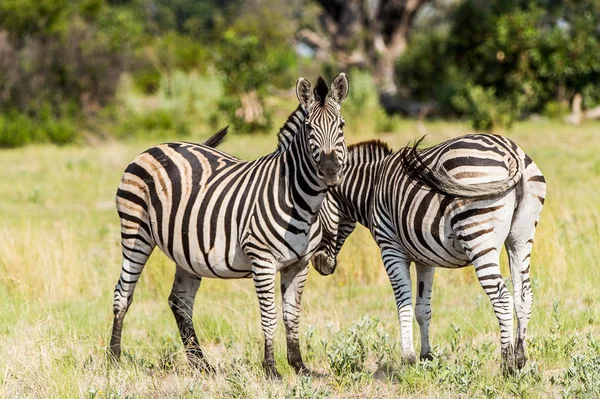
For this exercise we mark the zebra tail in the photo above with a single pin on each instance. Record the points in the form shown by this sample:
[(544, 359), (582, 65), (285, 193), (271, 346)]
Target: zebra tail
[(441, 182), (216, 139)]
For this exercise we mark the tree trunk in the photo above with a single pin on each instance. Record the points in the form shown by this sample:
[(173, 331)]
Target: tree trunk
[(369, 33)]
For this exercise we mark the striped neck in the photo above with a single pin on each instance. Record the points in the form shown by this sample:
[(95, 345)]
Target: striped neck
[(307, 189), (355, 194)]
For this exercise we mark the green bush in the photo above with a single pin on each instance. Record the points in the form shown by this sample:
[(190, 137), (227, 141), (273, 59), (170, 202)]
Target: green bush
[(484, 109), (57, 52), (556, 109), (362, 109), (489, 58), (17, 129), (158, 124), (147, 79), (254, 55)]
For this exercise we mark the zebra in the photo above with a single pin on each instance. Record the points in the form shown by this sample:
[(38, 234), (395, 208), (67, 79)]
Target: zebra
[(217, 216), (450, 206)]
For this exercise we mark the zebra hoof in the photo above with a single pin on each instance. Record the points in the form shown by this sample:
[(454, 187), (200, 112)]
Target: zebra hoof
[(508, 361), (409, 359), (271, 372), (301, 369), (426, 356), (200, 364), (520, 356), (203, 367), (114, 355)]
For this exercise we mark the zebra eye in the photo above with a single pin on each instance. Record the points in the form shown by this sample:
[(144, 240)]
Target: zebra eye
[(342, 124)]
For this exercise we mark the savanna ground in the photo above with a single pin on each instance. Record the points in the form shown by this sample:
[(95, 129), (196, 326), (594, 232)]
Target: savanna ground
[(60, 260)]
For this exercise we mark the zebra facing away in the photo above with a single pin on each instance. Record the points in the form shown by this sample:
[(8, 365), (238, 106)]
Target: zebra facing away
[(450, 206), (220, 217)]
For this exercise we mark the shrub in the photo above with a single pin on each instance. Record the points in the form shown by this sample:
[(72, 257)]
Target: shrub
[(147, 79), (17, 129), (362, 109), (157, 124), (255, 55), (505, 57), (484, 109), (74, 54), (556, 109)]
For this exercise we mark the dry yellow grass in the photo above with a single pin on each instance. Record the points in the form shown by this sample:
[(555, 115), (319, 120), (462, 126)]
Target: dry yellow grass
[(60, 259)]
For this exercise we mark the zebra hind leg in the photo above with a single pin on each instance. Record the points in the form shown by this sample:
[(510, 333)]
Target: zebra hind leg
[(293, 279), (136, 251), (181, 302), (519, 244), (397, 268), (487, 267), (423, 306)]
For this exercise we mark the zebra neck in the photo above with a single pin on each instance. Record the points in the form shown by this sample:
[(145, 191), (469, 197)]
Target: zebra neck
[(355, 194), (307, 190)]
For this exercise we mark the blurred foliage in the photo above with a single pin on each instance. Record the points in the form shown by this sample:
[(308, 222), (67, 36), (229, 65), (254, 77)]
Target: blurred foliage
[(197, 19), (17, 129), (58, 60), (363, 103), (256, 54), (64, 62), (501, 60)]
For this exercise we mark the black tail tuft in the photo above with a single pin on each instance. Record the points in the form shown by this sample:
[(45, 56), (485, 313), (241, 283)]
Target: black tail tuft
[(440, 182), (414, 166), (216, 139)]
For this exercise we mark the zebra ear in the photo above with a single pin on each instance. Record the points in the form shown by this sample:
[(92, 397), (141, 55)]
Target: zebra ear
[(304, 92), (339, 88)]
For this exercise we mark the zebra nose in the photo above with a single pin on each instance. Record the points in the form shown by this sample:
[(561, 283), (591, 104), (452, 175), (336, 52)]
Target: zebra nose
[(329, 161)]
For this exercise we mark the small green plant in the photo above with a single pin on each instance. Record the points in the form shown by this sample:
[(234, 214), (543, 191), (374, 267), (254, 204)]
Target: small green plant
[(347, 351), (304, 389)]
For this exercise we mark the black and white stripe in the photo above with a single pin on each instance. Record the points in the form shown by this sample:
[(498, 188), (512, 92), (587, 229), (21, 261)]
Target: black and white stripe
[(220, 217), (450, 205)]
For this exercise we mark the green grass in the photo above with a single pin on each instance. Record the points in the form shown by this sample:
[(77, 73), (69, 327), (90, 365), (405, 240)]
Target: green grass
[(60, 259)]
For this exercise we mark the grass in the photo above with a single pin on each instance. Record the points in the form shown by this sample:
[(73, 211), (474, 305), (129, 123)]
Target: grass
[(60, 259)]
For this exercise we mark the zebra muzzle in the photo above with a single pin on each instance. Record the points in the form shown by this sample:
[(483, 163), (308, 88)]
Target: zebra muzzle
[(324, 264), (330, 169)]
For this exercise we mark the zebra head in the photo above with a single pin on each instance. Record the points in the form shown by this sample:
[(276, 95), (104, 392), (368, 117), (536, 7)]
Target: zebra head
[(336, 226), (324, 126)]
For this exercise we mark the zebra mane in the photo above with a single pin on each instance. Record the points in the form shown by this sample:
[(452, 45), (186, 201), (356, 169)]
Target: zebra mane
[(290, 128), (368, 151)]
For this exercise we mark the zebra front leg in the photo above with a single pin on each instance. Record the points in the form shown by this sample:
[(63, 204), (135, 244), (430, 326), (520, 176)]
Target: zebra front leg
[(293, 279), (136, 250), (263, 274), (423, 306), (487, 267), (397, 268), (181, 302)]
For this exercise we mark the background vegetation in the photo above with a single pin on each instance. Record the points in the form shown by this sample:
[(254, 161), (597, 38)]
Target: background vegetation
[(64, 65), (86, 85)]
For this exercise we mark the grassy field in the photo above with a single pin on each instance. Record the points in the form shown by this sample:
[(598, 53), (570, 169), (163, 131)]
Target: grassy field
[(60, 260)]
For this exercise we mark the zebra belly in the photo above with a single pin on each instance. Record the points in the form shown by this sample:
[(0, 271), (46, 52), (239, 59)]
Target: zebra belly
[(215, 263), (441, 235)]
